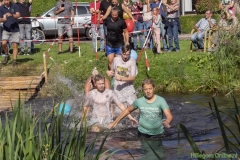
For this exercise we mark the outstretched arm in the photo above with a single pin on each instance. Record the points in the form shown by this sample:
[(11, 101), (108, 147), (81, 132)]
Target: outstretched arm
[(122, 107), (107, 13), (122, 115)]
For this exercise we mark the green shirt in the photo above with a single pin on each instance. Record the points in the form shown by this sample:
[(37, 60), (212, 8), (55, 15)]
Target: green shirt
[(151, 114)]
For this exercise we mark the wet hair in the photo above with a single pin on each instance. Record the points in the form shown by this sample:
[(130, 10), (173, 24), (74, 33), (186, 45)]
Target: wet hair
[(148, 81), (98, 77), (114, 9), (94, 72), (126, 48)]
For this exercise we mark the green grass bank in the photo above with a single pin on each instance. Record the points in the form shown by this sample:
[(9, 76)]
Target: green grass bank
[(184, 71)]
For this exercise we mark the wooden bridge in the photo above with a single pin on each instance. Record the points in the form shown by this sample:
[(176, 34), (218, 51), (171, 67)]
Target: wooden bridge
[(25, 87)]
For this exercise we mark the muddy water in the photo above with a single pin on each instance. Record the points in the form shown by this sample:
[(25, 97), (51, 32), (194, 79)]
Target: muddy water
[(190, 110)]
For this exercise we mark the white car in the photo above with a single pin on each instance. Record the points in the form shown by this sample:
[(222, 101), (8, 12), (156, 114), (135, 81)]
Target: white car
[(49, 25)]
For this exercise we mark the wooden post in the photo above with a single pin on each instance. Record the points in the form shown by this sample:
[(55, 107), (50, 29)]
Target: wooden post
[(45, 66)]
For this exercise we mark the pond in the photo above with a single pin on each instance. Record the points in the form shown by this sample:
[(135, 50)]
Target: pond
[(191, 110)]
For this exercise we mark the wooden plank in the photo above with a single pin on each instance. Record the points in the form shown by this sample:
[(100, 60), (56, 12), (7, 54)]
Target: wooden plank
[(30, 90), (2, 83), (17, 86), (21, 78)]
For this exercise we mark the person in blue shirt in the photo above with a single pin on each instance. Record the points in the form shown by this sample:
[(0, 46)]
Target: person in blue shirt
[(9, 14), (163, 29)]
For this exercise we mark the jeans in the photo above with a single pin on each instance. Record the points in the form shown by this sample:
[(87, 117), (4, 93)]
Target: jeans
[(138, 26), (25, 31), (197, 39), (164, 36), (172, 32), (146, 26), (100, 33)]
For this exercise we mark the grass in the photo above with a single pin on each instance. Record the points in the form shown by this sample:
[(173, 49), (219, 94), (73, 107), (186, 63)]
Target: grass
[(184, 71)]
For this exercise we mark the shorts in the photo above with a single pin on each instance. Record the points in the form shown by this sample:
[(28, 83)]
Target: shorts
[(110, 50), (11, 36), (126, 95), (63, 28)]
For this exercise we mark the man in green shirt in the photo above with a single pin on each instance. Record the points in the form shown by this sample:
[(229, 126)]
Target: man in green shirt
[(151, 108)]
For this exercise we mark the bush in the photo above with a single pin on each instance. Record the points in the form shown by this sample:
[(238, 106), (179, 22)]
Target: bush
[(203, 5), (188, 22)]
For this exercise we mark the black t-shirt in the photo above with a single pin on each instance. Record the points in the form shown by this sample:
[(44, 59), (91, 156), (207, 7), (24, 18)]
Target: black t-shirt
[(104, 6), (24, 12), (115, 32)]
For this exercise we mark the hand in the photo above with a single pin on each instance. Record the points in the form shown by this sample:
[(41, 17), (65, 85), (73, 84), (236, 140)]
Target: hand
[(118, 78), (110, 73), (112, 125), (62, 8), (164, 2), (134, 122), (134, 20), (72, 22), (166, 124), (199, 31), (8, 14)]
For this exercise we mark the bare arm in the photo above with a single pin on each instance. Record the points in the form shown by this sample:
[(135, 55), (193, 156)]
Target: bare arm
[(172, 7), (128, 12), (107, 13), (121, 116), (126, 35), (169, 117), (85, 112), (59, 10), (107, 84), (122, 107), (87, 86)]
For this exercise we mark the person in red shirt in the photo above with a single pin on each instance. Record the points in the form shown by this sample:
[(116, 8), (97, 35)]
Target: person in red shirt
[(94, 10)]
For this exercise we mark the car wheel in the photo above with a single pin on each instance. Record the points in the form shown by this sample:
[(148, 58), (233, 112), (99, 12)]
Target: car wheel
[(88, 33), (38, 36)]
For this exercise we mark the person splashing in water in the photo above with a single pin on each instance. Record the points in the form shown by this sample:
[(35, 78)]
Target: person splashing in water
[(100, 99)]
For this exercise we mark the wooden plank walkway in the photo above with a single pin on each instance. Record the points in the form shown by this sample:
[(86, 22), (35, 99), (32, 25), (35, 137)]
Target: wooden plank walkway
[(11, 88)]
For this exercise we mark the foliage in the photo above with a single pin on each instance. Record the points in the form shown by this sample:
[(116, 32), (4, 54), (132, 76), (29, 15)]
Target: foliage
[(46, 135), (203, 5), (230, 138), (41, 6)]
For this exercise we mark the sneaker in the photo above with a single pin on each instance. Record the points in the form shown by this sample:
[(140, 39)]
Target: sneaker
[(102, 50), (177, 50), (59, 52), (169, 50), (6, 59), (29, 53), (14, 63)]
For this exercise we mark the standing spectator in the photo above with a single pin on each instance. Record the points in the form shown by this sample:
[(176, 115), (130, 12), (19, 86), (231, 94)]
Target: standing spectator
[(25, 25), (124, 71), (138, 25), (102, 11), (201, 27), (147, 20), (9, 13), (94, 28), (156, 28), (163, 22), (116, 29), (64, 8), (173, 24), (227, 5)]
